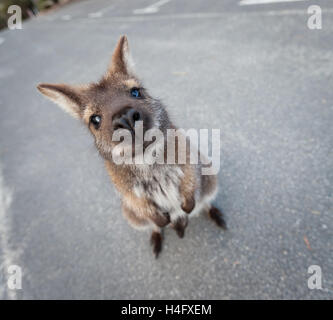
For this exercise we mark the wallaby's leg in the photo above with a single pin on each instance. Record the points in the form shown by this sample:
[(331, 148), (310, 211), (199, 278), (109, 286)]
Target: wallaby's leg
[(187, 189), (159, 221), (209, 188), (156, 222), (217, 216), (156, 240), (180, 225)]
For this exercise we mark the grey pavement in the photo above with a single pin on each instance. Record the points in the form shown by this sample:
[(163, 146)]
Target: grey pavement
[(256, 72)]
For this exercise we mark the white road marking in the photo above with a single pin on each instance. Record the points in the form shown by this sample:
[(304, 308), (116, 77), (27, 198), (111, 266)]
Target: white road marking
[(152, 8), (256, 2), (2, 40), (100, 13), (66, 17), (95, 14), (8, 255), (206, 15)]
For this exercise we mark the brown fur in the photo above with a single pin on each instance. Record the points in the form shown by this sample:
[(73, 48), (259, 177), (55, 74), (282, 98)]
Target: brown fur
[(187, 188)]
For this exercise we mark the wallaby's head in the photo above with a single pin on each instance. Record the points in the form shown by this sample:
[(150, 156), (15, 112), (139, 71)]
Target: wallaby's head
[(117, 101)]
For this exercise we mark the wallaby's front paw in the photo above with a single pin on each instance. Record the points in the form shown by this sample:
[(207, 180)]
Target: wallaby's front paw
[(188, 205), (179, 226), (156, 242), (180, 232), (217, 216)]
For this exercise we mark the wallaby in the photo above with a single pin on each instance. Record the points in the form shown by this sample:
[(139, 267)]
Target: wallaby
[(153, 195)]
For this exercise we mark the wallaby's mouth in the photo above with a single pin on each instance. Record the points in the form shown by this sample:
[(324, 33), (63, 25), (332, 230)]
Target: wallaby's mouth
[(134, 131), (131, 146), (135, 142)]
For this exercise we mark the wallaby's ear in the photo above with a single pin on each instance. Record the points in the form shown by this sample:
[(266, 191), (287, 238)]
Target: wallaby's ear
[(68, 97), (121, 61)]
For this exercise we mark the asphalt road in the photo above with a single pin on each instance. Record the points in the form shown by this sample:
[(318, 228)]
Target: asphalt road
[(256, 72)]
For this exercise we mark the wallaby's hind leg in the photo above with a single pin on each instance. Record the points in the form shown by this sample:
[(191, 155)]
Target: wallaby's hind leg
[(217, 216), (156, 240), (209, 187)]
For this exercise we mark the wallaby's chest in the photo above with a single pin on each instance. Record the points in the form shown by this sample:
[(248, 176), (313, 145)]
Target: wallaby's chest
[(161, 186)]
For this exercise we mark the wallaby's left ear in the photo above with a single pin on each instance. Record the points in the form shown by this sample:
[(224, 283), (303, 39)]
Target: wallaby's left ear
[(121, 61), (69, 98)]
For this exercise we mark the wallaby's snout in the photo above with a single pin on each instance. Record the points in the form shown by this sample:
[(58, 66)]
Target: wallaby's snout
[(126, 119)]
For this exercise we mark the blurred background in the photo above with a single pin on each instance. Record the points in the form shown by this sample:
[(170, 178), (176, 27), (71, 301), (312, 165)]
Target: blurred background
[(256, 69)]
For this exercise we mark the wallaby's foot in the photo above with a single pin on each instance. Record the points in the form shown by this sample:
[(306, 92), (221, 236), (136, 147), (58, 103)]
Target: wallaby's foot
[(179, 226), (217, 216), (156, 241), (188, 204)]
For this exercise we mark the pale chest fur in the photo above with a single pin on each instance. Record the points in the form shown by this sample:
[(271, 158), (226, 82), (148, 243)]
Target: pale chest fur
[(161, 186)]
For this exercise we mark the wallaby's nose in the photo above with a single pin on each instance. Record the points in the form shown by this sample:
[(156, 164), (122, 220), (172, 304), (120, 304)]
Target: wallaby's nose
[(126, 119)]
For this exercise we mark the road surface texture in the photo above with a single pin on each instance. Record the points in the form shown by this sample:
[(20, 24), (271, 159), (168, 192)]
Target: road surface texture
[(257, 72)]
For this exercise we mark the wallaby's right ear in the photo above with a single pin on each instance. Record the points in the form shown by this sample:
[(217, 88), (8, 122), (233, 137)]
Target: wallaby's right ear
[(121, 60), (68, 97)]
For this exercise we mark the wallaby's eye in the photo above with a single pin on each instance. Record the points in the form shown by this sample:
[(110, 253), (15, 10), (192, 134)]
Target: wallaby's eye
[(96, 120), (135, 92)]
